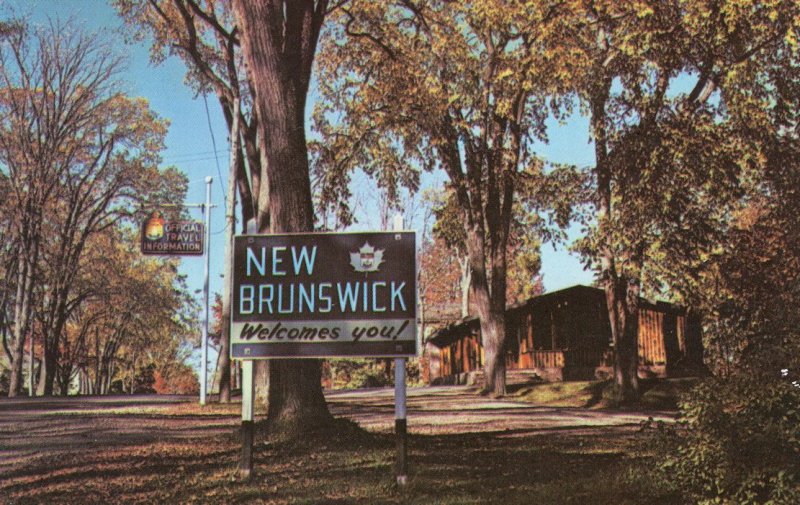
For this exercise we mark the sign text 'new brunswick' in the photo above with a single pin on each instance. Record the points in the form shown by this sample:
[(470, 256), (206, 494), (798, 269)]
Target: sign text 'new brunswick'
[(324, 294)]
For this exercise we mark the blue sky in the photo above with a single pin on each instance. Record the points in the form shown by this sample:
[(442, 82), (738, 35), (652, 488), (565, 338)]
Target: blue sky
[(190, 145)]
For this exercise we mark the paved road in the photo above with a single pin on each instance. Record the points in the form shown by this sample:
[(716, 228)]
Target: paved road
[(39, 426), (31, 428), (140, 449)]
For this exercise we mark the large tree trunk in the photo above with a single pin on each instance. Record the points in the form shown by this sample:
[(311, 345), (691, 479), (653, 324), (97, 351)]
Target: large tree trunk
[(51, 368), (225, 360), (621, 302), (628, 358), (109, 376), (42, 380), (466, 284), (64, 378), (15, 384), (224, 364), (492, 318), (278, 43), (97, 362), (52, 333), (492, 331), (292, 409), (88, 384), (22, 315), (132, 372), (623, 313), (497, 317)]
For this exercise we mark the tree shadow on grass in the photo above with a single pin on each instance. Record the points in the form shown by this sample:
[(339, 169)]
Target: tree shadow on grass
[(597, 390), (345, 465), (340, 434), (479, 468), (194, 460)]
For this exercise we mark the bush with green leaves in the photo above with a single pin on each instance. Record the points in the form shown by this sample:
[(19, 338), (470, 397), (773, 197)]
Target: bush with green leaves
[(738, 442), (5, 374), (369, 373)]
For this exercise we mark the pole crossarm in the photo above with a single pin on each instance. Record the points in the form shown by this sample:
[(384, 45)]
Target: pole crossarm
[(192, 205)]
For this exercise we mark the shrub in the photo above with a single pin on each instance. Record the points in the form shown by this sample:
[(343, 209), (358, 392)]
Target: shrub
[(368, 373), (5, 379), (738, 442), (180, 380)]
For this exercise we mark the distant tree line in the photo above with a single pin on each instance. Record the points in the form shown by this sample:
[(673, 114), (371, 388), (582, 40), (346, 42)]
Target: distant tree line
[(81, 310)]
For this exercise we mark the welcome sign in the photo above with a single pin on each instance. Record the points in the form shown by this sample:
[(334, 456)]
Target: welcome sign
[(324, 295)]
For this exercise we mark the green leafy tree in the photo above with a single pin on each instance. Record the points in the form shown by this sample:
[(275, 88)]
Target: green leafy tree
[(740, 442), (72, 148), (674, 92), (277, 41), (449, 85), (77, 159), (524, 243), (135, 315)]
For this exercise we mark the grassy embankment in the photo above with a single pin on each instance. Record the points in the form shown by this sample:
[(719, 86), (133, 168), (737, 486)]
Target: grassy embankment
[(656, 394)]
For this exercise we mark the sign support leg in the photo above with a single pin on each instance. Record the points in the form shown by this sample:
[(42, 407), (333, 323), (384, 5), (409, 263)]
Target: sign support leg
[(248, 429), (400, 424)]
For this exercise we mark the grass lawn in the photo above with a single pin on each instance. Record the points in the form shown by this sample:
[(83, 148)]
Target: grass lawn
[(656, 393), (345, 466)]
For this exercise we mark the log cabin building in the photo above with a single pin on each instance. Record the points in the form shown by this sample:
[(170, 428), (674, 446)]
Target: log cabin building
[(565, 335)]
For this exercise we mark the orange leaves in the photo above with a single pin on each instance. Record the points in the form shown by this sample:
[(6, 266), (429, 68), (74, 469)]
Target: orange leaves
[(440, 280), (177, 379)]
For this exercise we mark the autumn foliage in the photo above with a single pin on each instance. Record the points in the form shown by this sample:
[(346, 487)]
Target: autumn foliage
[(79, 163), (180, 381)]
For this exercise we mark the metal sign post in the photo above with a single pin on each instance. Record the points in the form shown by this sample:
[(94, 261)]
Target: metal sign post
[(248, 405), (204, 343), (185, 238), (248, 410), (400, 424)]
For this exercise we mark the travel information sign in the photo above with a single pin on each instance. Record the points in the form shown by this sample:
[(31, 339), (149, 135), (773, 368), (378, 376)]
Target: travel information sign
[(324, 295), (171, 238)]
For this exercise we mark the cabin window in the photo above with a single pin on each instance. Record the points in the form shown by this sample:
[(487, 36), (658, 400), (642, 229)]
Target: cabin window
[(522, 335), (544, 329), (472, 353), (512, 347), (561, 325)]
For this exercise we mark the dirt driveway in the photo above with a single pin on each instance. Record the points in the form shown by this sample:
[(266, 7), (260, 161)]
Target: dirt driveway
[(32, 428), (458, 409)]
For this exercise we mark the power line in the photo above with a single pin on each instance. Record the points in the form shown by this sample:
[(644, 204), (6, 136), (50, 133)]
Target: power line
[(190, 158), (195, 153)]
